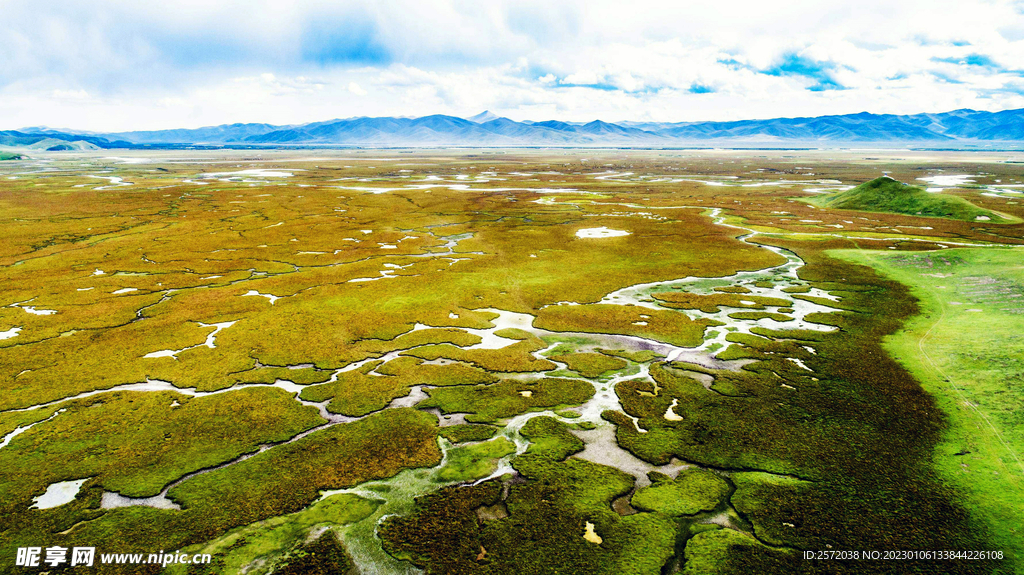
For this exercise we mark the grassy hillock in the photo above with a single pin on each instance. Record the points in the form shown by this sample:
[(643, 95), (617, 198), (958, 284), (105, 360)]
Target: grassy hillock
[(10, 156), (57, 145), (885, 194)]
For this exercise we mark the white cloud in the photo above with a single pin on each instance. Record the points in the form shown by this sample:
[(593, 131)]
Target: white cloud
[(121, 64), (70, 95)]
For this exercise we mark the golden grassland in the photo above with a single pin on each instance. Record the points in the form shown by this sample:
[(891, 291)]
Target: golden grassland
[(312, 295)]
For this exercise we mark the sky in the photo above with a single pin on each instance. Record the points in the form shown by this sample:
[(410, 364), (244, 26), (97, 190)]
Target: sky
[(118, 65)]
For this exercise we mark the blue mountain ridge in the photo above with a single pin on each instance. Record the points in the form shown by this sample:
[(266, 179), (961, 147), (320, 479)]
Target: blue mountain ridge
[(487, 129)]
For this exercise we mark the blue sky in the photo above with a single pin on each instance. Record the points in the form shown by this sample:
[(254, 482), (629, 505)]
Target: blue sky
[(122, 65)]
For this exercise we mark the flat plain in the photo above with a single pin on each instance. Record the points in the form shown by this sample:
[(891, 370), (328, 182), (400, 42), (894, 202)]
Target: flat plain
[(512, 361)]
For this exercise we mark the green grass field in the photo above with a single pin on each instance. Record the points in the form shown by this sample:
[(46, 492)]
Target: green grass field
[(966, 346)]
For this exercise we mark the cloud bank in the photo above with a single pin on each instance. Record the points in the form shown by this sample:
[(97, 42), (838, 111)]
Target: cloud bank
[(123, 65)]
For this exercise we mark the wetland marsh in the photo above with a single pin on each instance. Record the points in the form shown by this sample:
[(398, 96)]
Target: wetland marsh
[(509, 361)]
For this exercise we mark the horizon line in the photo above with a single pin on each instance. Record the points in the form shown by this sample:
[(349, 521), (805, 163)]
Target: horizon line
[(498, 117)]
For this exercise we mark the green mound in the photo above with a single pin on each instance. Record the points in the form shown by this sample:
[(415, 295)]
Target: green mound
[(885, 194), (325, 555), (695, 490), (55, 145), (10, 156)]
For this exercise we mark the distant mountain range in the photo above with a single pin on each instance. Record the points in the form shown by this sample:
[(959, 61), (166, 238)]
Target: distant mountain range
[(968, 128)]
